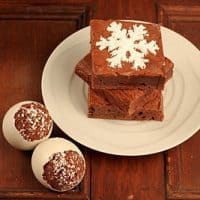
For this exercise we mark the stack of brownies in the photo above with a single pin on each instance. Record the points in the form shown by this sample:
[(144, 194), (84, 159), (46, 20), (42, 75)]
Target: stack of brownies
[(126, 71)]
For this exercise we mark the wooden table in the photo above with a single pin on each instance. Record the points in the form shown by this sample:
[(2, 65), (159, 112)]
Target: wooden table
[(29, 31)]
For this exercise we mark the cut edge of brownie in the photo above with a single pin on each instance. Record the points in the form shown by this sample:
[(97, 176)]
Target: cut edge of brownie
[(131, 100), (124, 82), (122, 98), (84, 69), (99, 107)]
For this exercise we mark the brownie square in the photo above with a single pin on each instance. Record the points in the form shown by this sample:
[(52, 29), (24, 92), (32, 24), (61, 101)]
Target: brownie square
[(84, 68), (118, 65), (131, 100), (100, 107), (126, 100)]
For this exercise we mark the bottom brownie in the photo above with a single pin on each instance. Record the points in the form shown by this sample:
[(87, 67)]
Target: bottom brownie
[(99, 107), (128, 101)]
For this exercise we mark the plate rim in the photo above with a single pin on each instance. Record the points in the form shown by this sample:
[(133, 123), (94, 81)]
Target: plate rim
[(187, 136)]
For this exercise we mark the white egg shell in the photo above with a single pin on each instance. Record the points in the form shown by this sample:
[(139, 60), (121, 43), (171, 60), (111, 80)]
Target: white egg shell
[(12, 135), (44, 151)]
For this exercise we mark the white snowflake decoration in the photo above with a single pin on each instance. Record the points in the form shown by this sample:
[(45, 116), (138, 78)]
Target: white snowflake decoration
[(127, 45)]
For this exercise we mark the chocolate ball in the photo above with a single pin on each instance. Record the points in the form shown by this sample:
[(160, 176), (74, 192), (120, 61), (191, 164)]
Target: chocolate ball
[(26, 124), (58, 164)]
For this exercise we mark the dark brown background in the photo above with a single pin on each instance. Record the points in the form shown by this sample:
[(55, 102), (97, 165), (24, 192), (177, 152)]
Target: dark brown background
[(29, 31)]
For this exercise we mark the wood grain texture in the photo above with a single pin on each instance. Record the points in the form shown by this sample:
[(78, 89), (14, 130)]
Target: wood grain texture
[(30, 33), (127, 178), (183, 177), (129, 9), (183, 18)]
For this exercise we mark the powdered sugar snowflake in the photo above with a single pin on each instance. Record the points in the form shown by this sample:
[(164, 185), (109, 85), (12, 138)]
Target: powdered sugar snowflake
[(127, 45)]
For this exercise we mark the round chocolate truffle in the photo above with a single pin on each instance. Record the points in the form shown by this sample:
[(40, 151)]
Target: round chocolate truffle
[(26, 124), (58, 164)]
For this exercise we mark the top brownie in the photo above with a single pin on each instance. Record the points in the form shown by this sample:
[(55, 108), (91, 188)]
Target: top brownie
[(126, 55)]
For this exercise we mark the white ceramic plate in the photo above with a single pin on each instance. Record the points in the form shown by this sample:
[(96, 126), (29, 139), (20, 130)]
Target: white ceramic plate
[(65, 96)]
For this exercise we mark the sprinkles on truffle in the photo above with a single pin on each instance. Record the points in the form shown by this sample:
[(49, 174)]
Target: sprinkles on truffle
[(32, 121), (64, 170)]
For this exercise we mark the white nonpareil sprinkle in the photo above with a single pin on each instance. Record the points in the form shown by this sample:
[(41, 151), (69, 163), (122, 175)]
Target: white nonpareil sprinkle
[(65, 171), (32, 120)]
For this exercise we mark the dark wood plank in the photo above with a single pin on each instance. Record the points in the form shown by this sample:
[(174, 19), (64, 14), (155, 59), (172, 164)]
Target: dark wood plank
[(28, 35), (114, 177), (129, 9), (43, 195), (183, 18), (183, 177), (131, 178)]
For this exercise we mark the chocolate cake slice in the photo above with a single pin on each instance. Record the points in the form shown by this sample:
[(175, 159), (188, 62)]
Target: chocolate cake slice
[(126, 55), (126, 100), (100, 107), (84, 68)]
